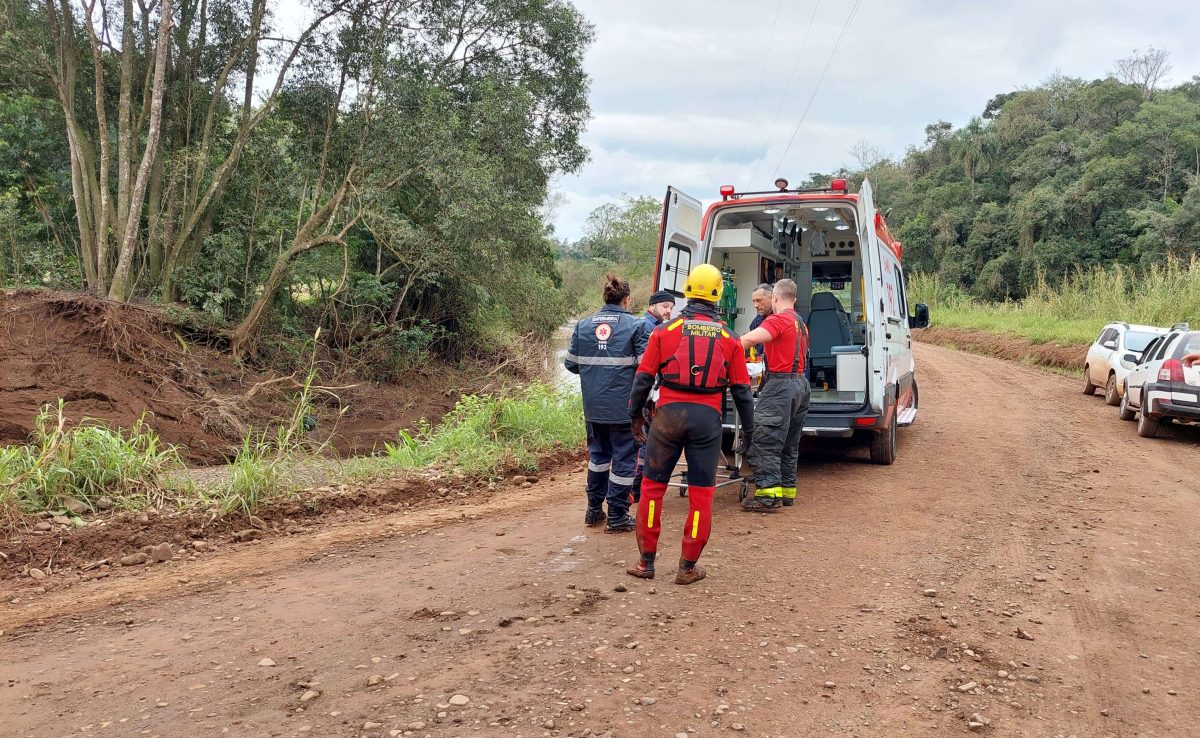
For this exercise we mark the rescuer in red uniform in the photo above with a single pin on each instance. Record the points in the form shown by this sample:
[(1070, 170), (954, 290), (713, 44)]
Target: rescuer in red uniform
[(782, 401), (696, 358)]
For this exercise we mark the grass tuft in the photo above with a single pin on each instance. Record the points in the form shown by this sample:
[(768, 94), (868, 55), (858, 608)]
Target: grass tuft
[(85, 463), (485, 434)]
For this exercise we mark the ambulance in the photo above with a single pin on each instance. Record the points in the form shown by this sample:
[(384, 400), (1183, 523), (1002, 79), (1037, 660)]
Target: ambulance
[(847, 265)]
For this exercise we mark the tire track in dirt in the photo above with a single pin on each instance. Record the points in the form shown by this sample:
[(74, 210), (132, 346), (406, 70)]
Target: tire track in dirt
[(993, 503)]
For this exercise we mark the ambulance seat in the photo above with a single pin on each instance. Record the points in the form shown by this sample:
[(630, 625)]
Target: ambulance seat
[(828, 326)]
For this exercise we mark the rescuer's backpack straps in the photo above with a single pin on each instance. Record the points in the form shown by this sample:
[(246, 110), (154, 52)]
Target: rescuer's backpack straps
[(696, 366)]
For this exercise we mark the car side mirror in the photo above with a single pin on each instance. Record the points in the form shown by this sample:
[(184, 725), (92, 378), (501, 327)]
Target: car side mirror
[(1110, 344), (921, 319), (1129, 360)]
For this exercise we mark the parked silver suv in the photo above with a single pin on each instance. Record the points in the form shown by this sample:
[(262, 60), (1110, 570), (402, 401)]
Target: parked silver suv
[(1115, 352)]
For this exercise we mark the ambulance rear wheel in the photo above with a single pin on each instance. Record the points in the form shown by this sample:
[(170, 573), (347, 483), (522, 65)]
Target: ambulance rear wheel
[(883, 445)]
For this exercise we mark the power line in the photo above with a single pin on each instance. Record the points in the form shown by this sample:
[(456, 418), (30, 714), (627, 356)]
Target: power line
[(817, 88), (787, 88), (758, 92)]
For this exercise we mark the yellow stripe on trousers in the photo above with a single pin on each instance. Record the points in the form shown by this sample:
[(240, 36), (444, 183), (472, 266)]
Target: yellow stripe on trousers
[(650, 523), (695, 525)]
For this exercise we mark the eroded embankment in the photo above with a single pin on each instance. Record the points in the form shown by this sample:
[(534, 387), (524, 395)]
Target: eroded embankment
[(1005, 346)]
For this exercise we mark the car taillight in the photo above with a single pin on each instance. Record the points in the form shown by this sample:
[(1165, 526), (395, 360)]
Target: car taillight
[(1171, 371)]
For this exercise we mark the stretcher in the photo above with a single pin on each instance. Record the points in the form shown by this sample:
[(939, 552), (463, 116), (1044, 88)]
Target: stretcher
[(729, 469)]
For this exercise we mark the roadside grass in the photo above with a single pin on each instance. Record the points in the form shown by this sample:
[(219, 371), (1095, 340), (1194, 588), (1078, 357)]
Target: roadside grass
[(1073, 312), (485, 434), (84, 463), (482, 436)]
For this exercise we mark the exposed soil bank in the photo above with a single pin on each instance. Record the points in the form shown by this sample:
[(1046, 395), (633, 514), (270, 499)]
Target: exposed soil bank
[(1005, 346), (120, 362)]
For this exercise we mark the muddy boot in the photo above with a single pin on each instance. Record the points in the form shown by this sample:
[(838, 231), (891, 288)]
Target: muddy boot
[(789, 496), (760, 503), (593, 517), (623, 524), (644, 568), (689, 572)]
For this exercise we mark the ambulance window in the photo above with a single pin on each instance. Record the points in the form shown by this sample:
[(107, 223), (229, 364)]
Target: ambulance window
[(903, 295), (676, 265), (894, 294)]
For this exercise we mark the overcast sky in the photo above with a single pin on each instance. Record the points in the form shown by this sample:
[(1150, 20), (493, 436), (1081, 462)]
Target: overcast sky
[(676, 97)]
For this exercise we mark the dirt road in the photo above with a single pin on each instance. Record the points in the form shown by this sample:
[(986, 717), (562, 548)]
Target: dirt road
[(888, 602)]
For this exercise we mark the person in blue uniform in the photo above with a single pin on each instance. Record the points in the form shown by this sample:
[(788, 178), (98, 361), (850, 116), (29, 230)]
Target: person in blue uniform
[(604, 351)]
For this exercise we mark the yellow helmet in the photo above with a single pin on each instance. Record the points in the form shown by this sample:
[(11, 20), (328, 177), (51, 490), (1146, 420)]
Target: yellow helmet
[(704, 283)]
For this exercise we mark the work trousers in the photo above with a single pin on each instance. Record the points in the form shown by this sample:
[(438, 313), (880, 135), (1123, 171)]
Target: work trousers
[(612, 462), (778, 422), (693, 431)]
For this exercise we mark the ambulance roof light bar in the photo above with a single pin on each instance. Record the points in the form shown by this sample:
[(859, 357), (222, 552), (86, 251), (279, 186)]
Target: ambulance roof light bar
[(729, 192)]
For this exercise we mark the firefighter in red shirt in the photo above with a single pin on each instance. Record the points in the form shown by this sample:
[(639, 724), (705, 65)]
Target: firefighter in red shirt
[(782, 402), (696, 357)]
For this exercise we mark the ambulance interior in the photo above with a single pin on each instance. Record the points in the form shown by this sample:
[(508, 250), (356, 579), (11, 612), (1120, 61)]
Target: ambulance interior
[(815, 245)]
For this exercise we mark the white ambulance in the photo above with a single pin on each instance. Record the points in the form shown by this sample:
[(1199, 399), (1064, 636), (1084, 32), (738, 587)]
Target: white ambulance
[(837, 248)]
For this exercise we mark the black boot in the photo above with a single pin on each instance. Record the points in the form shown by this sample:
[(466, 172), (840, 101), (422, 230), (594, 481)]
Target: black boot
[(644, 568), (593, 517), (623, 524), (760, 504)]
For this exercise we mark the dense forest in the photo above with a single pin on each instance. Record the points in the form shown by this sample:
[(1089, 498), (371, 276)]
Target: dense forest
[(377, 168), (1063, 176)]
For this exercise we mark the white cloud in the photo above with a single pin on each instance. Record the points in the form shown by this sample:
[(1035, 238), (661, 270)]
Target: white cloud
[(676, 96)]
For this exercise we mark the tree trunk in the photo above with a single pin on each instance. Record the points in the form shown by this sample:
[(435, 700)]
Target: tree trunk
[(242, 339), (103, 217), (154, 217), (120, 288)]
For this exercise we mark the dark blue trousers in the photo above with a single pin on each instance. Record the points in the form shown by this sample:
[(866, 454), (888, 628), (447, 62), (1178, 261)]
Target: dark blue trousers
[(612, 463)]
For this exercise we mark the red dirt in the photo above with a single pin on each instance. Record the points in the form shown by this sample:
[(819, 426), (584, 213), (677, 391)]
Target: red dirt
[(116, 363), (1005, 346), (868, 609)]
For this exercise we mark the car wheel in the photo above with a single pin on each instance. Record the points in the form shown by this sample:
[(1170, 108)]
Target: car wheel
[(1126, 412), (1147, 427), (883, 445), (1110, 391), (1088, 387)]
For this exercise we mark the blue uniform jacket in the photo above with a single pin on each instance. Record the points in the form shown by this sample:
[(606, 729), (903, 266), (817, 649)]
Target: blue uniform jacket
[(604, 351), (650, 321)]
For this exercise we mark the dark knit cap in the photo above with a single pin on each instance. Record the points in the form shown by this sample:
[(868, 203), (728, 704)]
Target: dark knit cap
[(661, 296)]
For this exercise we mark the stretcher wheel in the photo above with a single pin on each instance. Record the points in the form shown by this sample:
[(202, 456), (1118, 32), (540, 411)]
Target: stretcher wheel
[(742, 492), (683, 491)]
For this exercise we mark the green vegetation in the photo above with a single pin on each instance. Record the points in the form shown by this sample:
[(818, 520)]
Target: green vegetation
[(1067, 175), (1072, 312), (364, 173), (619, 238), (484, 435), (84, 463)]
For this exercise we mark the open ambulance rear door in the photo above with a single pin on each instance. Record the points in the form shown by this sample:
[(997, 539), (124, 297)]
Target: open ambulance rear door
[(891, 343), (679, 247), (873, 296)]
